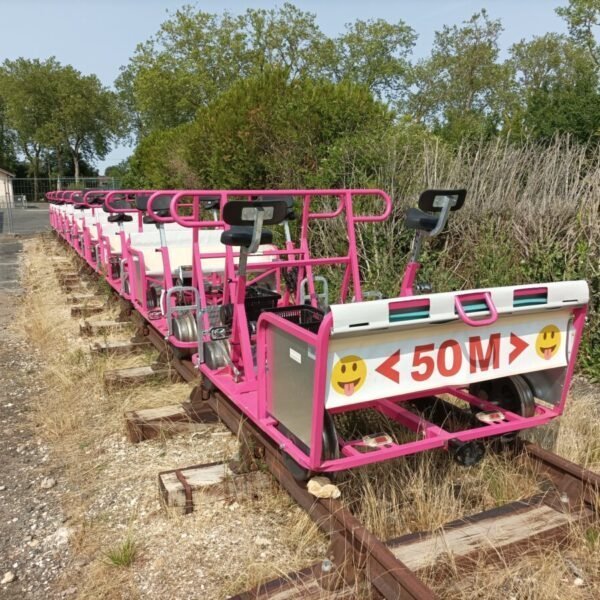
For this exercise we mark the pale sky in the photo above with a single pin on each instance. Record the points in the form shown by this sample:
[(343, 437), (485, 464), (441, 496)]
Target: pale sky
[(99, 36)]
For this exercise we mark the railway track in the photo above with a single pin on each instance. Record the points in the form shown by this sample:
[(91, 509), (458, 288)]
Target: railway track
[(393, 569)]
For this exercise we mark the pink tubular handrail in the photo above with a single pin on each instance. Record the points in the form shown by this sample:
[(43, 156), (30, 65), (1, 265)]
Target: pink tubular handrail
[(487, 298), (344, 196)]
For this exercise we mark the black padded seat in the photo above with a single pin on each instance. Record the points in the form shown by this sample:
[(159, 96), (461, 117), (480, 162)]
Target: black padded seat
[(120, 218), (417, 219), (242, 236)]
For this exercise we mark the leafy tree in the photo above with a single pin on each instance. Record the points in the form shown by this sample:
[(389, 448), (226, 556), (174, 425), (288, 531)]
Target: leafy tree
[(8, 159), (87, 117), (273, 131), (558, 87), (53, 110), (118, 171), (583, 19), (197, 55), (266, 130), (157, 161), (28, 89), (462, 90), (374, 53)]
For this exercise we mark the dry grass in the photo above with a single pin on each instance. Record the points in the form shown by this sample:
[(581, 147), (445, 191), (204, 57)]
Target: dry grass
[(111, 495)]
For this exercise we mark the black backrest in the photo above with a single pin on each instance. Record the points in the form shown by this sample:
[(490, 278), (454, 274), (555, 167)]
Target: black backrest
[(431, 200), (210, 202), (289, 201), (117, 201), (242, 212), (160, 204), (141, 202)]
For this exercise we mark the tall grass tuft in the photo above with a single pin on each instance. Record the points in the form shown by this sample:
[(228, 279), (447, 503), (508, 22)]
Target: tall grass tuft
[(531, 215), (121, 555)]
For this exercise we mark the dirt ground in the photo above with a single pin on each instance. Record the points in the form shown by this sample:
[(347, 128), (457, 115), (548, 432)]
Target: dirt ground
[(34, 532)]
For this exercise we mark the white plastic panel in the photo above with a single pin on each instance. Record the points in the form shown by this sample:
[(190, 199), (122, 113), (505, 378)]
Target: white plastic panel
[(374, 315), (391, 363)]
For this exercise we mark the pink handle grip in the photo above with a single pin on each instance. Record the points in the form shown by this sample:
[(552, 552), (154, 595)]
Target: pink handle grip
[(487, 298), (190, 221), (347, 197), (373, 218)]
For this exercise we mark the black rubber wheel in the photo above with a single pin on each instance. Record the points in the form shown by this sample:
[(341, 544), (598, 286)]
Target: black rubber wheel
[(466, 454), (151, 297), (510, 393)]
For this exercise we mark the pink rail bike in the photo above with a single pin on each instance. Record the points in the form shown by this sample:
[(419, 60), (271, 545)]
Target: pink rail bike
[(293, 363), (162, 285)]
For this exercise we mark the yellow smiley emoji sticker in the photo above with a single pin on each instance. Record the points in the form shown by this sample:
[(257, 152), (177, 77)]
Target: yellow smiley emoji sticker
[(348, 375), (547, 342)]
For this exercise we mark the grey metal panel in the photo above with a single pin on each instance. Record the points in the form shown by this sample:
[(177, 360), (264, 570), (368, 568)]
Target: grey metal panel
[(291, 377)]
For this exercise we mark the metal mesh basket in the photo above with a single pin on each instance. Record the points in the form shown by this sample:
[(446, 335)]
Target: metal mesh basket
[(259, 299), (303, 315)]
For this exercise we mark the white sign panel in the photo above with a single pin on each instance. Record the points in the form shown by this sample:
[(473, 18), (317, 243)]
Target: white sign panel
[(391, 363)]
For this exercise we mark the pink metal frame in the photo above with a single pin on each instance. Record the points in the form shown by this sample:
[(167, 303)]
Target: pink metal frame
[(250, 391)]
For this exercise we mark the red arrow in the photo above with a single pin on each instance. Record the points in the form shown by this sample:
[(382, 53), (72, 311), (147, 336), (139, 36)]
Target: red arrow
[(518, 346), (386, 368)]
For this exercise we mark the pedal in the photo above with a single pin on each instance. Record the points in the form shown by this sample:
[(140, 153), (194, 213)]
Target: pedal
[(491, 418), (377, 440), (423, 288)]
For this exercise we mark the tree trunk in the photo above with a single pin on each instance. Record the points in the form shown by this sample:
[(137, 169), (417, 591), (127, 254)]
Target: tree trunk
[(59, 168), (36, 172), (76, 165), (75, 155)]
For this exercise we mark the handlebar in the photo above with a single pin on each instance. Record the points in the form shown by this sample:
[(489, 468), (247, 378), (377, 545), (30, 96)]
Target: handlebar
[(486, 297), (345, 202)]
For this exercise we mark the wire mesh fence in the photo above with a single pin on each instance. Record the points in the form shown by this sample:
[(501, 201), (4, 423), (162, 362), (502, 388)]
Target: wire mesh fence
[(34, 189)]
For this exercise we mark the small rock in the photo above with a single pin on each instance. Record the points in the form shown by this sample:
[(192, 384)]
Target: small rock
[(578, 582), (59, 537), (47, 483), (261, 541), (321, 487), (9, 577), (2, 488)]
